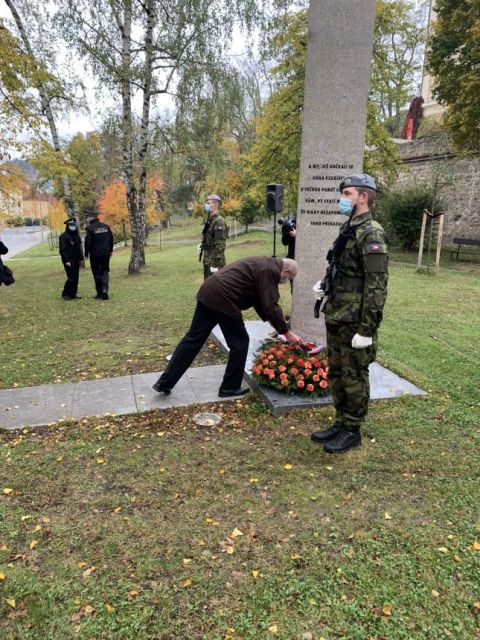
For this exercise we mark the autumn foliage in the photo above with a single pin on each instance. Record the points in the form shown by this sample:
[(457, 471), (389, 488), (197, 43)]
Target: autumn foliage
[(113, 203)]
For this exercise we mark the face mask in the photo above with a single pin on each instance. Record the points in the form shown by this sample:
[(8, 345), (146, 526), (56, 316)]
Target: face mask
[(345, 206), (207, 207), (71, 227)]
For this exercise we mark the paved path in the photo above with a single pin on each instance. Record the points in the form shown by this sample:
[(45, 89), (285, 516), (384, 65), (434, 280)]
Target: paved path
[(20, 239), (33, 406)]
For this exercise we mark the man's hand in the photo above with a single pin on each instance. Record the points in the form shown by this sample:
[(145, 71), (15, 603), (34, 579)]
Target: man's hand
[(318, 291), (199, 247), (293, 233), (213, 269), (361, 342), (292, 337)]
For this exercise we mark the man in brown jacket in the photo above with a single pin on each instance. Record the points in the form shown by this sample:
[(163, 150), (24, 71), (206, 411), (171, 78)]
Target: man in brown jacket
[(249, 282)]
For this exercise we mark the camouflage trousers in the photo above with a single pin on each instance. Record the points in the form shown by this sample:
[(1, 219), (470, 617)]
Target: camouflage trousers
[(348, 374)]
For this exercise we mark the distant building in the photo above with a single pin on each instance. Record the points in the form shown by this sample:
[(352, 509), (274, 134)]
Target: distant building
[(430, 105)]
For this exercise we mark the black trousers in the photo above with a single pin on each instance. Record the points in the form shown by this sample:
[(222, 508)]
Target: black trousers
[(204, 320), (71, 284), (100, 266)]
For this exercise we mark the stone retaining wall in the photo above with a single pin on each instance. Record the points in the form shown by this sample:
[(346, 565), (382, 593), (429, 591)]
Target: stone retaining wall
[(459, 180)]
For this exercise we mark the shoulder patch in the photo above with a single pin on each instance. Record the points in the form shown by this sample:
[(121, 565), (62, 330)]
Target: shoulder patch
[(376, 247)]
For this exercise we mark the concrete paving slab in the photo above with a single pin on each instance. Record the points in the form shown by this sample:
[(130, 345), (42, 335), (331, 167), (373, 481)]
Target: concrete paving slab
[(148, 399), (104, 396), (383, 382), (34, 406), (206, 381)]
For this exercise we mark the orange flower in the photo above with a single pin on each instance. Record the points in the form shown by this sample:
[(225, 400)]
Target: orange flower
[(265, 361), (282, 368), (294, 371), (310, 387), (285, 383), (300, 384), (323, 384), (283, 376), (316, 378), (308, 365)]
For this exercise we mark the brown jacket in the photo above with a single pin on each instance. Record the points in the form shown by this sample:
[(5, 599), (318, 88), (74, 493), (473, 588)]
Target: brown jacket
[(249, 282)]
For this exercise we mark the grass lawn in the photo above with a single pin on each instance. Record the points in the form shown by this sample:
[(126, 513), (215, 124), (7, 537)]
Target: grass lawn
[(147, 527)]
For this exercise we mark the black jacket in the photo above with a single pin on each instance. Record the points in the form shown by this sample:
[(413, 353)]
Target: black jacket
[(70, 246), (3, 251), (99, 239)]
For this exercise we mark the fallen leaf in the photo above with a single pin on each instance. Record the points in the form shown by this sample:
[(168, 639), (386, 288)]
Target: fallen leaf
[(288, 467), (307, 635), (343, 598), (253, 480), (89, 571), (387, 516), (187, 583), (100, 461), (230, 550), (273, 628), (109, 607), (81, 564), (38, 527), (11, 602), (23, 518), (255, 573), (442, 549), (88, 609), (435, 593), (476, 545), (202, 543), (221, 471), (33, 544), (187, 561), (476, 605), (236, 533), (3, 547), (2, 576), (387, 610), (329, 468), (133, 594)]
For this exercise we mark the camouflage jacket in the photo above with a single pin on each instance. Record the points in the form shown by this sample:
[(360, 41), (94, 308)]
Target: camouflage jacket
[(359, 288), (214, 240)]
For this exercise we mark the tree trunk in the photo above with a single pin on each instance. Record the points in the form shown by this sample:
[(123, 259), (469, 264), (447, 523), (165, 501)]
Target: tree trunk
[(145, 126), (45, 102)]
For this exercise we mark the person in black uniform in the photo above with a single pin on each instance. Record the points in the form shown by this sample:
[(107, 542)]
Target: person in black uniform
[(70, 247), (99, 248)]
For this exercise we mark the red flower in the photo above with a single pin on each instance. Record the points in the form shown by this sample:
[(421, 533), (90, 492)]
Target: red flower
[(283, 376), (285, 383), (310, 387), (282, 367), (290, 360), (265, 361), (316, 378), (294, 371), (300, 362), (323, 384), (308, 365), (300, 384), (316, 364)]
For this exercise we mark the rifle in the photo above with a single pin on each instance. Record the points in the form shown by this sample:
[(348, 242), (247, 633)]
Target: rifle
[(204, 236), (333, 257)]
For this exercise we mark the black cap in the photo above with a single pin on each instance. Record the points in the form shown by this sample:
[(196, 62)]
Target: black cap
[(92, 213)]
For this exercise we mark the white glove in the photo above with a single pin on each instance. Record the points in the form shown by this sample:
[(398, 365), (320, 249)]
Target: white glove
[(213, 269), (361, 342), (317, 289), (199, 247)]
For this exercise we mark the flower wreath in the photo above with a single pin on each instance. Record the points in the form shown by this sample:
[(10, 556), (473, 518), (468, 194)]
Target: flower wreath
[(292, 369)]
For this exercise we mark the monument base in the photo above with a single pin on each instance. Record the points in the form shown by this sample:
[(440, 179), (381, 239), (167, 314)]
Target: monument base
[(384, 383)]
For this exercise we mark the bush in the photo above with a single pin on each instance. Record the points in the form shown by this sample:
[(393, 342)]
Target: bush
[(401, 212), (15, 221), (28, 222)]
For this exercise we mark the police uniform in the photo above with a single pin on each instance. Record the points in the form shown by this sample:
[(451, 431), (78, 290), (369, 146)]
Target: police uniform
[(70, 248), (99, 247), (356, 297), (213, 243)]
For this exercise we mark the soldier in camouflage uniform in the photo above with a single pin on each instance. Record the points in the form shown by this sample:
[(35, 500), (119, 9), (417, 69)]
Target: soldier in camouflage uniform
[(356, 290), (214, 237)]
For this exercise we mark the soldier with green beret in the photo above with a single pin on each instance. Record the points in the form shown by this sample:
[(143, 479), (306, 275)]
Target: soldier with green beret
[(214, 237), (356, 290)]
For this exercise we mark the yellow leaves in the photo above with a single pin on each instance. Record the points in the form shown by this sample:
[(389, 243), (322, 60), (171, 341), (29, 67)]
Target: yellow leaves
[(387, 610), (2, 576), (117, 510), (221, 471), (100, 461), (33, 544), (11, 602), (236, 533), (255, 573), (288, 467), (254, 480), (37, 528), (273, 628), (329, 468), (187, 561), (343, 598), (132, 594), (88, 609), (80, 565), (8, 491), (212, 522), (443, 549), (3, 547), (476, 545), (186, 583), (476, 605), (202, 543), (59, 458), (109, 607), (387, 516), (23, 518), (435, 593), (230, 550)]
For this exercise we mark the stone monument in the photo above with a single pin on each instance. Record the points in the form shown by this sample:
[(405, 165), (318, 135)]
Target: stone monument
[(337, 79)]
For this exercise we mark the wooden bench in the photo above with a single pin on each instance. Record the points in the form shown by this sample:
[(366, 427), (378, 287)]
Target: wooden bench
[(469, 242)]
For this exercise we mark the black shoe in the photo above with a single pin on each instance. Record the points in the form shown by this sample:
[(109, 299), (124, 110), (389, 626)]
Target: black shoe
[(228, 393), (104, 295), (66, 298), (327, 434), (161, 389), (343, 441)]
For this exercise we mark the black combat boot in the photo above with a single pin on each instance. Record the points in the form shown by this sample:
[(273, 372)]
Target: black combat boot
[(346, 438), (327, 434)]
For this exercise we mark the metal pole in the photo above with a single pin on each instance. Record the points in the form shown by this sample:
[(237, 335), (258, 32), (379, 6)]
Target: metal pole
[(274, 234)]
